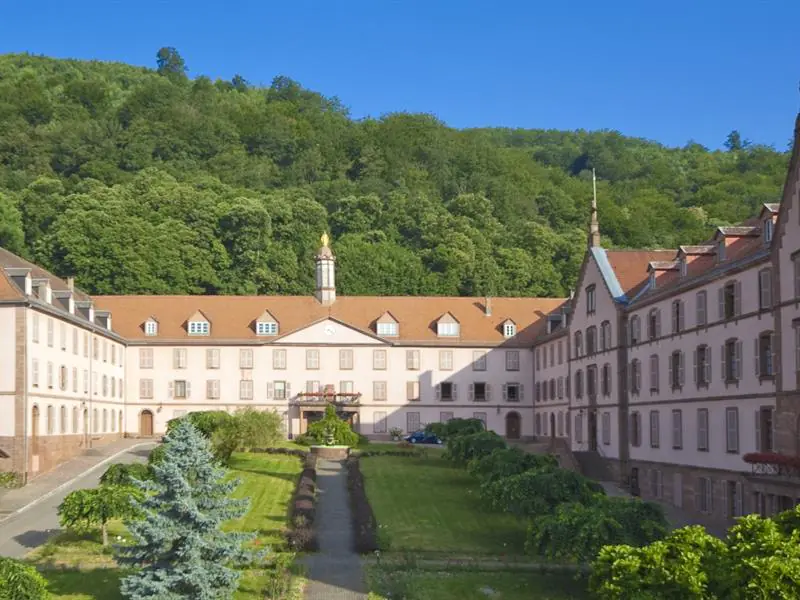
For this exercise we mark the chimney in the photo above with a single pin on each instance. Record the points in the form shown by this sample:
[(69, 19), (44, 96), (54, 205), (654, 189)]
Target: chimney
[(487, 306), (71, 283)]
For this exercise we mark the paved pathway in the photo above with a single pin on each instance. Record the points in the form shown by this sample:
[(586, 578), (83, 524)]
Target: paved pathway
[(24, 526), (335, 572)]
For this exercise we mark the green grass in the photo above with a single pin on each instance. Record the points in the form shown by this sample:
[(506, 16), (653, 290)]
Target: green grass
[(444, 585), (427, 505), (267, 479)]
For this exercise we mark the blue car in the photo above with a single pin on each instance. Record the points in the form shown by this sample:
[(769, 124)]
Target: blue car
[(420, 437)]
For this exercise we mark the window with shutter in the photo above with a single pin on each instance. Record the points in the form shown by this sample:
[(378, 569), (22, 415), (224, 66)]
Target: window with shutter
[(379, 422), (412, 391), (655, 429), (512, 360), (765, 289), (732, 430), (246, 358), (677, 429), (445, 360), (379, 391), (654, 373), (702, 429), (279, 358), (412, 360), (312, 359), (479, 360), (701, 302), (346, 359), (379, 360), (145, 358)]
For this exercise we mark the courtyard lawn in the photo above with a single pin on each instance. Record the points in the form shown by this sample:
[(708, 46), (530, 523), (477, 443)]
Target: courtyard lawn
[(427, 505), (78, 568), (444, 585)]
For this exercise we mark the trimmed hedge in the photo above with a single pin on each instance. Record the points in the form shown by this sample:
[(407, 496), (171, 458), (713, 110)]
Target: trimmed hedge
[(365, 527), (301, 534), (287, 451)]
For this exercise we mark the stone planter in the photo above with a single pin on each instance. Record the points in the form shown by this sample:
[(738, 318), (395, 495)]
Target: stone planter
[(331, 452)]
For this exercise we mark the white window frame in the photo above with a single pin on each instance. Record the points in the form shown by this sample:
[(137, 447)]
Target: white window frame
[(732, 430), (509, 330), (245, 358), (388, 329), (380, 360), (448, 329), (266, 328), (512, 360), (199, 328), (150, 328)]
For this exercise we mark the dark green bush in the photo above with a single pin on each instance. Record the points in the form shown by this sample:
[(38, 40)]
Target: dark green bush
[(455, 427), (463, 448), (19, 581), (331, 428), (206, 421), (578, 531), (539, 492), (156, 455), (505, 462), (304, 440), (124, 474)]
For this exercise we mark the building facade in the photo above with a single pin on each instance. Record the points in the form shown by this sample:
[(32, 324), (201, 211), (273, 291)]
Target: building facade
[(72, 377), (685, 365)]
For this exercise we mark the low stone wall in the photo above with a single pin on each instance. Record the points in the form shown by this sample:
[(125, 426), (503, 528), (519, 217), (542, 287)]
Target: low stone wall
[(331, 452)]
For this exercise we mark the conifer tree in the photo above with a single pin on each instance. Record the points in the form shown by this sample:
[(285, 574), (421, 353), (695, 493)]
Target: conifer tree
[(179, 546)]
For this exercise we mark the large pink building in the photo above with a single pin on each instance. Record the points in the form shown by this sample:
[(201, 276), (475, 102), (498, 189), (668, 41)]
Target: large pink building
[(73, 376), (682, 362)]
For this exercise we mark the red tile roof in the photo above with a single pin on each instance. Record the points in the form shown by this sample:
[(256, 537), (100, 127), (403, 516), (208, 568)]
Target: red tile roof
[(232, 317), (630, 266)]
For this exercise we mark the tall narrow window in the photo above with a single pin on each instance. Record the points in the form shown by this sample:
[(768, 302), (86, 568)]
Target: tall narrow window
[(591, 340), (345, 359), (512, 360), (654, 324), (245, 358), (702, 429), (312, 359), (676, 374), (677, 316), (578, 340), (677, 429), (591, 300), (412, 360), (379, 360), (731, 360), (765, 358), (765, 289), (654, 373), (732, 430), (655, 429)]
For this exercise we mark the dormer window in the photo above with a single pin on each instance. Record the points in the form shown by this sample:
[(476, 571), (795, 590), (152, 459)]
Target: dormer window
[(721, 250), (509, 329), (266, 328), (151, 328), (768, 230), (199, 327), (388, 329), (652, 279), (447, 329), (683, 267)]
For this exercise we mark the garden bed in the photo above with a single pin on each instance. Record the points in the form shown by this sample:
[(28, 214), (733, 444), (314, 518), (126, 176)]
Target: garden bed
[(301, 533)]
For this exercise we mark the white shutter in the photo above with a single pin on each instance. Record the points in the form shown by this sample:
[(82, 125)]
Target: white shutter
[(737, 298), (521, 392), (171, 390), (708, 365), (773, 348), (488, 392), (188, 389), (694, 365), (471, 392), (438, 391), (658, 323), (765, 298), (505, 392), (670, 371), (737, 365), (454, 389), (681, 374), (758, 431), (721, 298), (723, 372), (674, 317), (288, 390), (756, 356), (739, 504), (638, 376), (680, 316)]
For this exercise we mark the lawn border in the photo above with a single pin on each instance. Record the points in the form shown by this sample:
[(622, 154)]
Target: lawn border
[(365, 526), (301, 533)]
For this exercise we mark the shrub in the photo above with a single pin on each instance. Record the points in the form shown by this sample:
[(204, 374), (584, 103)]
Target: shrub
[(304, 440), (505, 462), (455, 427), (156, 455), (683, 565), (84, 510), (539, 492), (332, 429), (463, 448), (124, 474), (301, 534), (206, 421), (258, 428), (9, 480), (578, 531), (19, 581)]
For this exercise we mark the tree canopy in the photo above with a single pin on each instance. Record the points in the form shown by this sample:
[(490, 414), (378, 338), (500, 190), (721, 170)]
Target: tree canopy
[(141, 180)]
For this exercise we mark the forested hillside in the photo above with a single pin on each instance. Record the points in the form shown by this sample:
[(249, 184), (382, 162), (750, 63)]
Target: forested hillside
[(143, 180)]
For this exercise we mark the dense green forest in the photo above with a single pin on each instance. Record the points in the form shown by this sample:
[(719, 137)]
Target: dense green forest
[(146, 181)]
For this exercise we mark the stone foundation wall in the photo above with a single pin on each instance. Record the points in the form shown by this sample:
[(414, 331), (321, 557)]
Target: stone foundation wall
[(687, 506), (52, 450)]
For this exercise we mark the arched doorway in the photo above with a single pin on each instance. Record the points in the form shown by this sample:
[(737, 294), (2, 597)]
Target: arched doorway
[(35, 430), (146, 423), (512, 426), (552, 425)]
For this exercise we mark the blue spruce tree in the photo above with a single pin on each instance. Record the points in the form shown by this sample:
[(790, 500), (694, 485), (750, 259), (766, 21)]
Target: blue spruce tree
[(179, 548)]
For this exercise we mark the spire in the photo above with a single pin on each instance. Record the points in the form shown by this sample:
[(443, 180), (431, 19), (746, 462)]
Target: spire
[(325, 273), (594, 225)]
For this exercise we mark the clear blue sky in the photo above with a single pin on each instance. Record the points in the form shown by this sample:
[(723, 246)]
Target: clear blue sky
[(669, 70)]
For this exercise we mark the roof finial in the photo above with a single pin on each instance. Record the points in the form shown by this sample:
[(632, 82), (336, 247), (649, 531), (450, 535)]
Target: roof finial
[(325, 239), (594, 225)]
